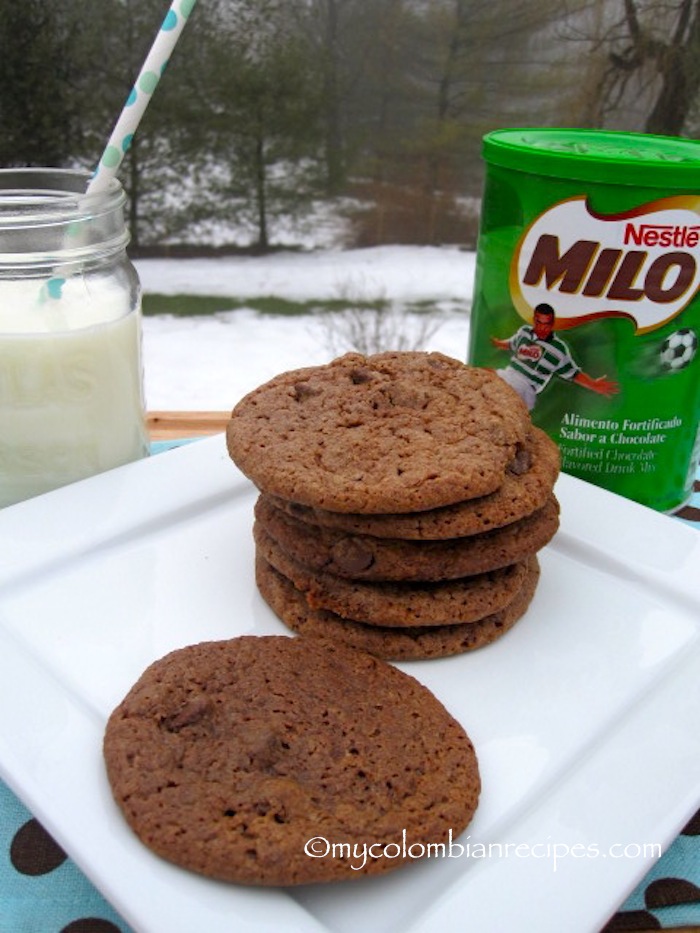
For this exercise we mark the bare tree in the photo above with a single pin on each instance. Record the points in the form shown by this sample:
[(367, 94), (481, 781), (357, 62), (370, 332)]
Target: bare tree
[(370, 323), (650, 55)]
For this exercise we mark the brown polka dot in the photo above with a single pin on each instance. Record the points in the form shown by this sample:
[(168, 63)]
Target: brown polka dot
[(91, 925), (628, 921), (33, 851), (665, 892), (689, 512), (692, 827)]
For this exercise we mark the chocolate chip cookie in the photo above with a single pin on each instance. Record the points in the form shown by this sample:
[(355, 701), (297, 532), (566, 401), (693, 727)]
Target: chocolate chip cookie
[(527, 486), (392, 432), (418, 643), (397, 604), (237, 759), (365, 557)]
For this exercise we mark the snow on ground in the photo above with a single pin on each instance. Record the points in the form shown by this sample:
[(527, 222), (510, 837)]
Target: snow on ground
[(403, 272), (208, 363)]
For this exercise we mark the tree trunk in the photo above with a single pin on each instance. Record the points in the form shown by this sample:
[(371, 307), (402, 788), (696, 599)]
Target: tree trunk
[(333, 131), (680, 77), (134, 193), (261, 192)]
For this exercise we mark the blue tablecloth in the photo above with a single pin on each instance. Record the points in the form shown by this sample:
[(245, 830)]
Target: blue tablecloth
[(42, 891)]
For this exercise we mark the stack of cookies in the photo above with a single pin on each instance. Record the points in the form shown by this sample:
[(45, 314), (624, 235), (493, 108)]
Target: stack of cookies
[(403, 499)]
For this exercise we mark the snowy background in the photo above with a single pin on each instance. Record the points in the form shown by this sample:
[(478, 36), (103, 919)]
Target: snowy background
[(209, 362)]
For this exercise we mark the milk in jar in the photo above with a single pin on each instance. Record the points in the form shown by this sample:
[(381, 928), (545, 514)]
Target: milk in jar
[(71, 381)]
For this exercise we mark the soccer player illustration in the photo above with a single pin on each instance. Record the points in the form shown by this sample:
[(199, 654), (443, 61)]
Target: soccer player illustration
[(538, 354)]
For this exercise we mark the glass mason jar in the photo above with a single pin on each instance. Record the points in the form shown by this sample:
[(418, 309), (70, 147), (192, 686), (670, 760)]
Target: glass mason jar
[(71, 375)]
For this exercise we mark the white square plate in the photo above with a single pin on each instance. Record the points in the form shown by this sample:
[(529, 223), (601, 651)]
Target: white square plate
[(585, 717)]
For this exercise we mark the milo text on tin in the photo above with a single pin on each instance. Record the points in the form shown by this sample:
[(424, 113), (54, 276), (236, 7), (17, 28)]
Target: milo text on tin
[(639, 264)]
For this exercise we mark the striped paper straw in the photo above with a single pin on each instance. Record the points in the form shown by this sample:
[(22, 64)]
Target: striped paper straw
[(141, 93)]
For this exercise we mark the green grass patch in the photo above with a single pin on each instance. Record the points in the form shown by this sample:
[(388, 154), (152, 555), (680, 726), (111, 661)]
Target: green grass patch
[(192, 305), (183, 305)]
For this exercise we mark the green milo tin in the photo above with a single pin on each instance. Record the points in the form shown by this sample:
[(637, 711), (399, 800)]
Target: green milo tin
[(586, 299)]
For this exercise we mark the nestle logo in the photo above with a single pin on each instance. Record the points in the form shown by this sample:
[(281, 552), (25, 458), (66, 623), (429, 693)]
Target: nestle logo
[(674, 235)]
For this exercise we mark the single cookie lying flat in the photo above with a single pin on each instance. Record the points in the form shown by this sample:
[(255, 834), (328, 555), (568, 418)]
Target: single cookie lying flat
[(396, 644), (393, 432), (365, 557), (230, 758)]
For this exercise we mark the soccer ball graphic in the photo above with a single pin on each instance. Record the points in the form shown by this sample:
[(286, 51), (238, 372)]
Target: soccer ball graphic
[(678, 349)]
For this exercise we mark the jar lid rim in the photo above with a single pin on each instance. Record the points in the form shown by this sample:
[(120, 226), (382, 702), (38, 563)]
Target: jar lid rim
[(43, 198), (57, 189)]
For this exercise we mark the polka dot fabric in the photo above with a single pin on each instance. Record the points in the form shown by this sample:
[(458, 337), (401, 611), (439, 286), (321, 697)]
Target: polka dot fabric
[(669, 896), (41, 890), (690, 512)]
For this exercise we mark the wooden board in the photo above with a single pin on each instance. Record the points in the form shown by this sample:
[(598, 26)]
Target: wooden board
[(169, 425)]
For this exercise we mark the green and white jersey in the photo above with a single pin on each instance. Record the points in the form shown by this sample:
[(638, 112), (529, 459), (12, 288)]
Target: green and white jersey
[(538, 360)]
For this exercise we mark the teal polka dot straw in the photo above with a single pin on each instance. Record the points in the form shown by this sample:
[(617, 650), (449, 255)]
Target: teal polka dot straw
[(141, 93), (130, 117)]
